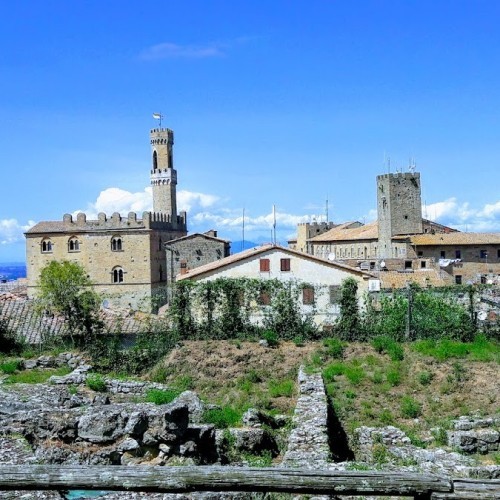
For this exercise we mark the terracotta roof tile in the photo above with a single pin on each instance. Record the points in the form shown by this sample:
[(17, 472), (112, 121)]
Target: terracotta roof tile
[(429, 277), (456, 239), (237, 257), (343, 233)]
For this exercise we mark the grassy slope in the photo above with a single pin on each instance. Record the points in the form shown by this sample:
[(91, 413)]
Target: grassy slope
[(417, 393)]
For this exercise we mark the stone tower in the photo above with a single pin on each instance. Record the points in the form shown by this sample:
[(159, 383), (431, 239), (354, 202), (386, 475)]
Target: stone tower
[(163, 174), (399, 208)]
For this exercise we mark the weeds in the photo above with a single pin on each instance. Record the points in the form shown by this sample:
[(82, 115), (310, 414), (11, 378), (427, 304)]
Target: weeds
[(334, 348), (36, 376), (223, 417), (96, 382), (410, 408), (279, 388), (161, 396)]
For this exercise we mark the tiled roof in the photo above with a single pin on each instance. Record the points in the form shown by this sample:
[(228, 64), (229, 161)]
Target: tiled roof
[(456, 239), (63, 227), (247, 254), (194, 235), (429, 277), (344, 233)]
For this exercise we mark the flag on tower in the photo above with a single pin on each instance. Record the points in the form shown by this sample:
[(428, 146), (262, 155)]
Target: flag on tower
[(157, 116)]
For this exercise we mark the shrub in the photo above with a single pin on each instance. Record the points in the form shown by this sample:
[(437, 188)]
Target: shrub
[(161, 396), (96, 382), (270, 337), (9, 367), (348, 325), (425, 377), (223, 417), (410, 408), (394, 376), (334, 348), (386, 344)]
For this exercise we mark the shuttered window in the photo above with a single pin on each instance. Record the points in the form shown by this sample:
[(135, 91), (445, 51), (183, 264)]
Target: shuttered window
[(308, 295), (265, 265), (285, 265), (334, 294)]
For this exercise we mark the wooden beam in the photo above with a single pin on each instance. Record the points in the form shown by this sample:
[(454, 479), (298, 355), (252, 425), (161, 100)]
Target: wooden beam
[(210, 478), (471, 489)]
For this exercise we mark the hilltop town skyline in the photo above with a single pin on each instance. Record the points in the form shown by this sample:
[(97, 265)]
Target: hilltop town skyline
[(270, 104)]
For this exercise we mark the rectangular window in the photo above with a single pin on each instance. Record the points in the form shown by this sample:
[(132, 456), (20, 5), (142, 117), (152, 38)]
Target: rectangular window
[(458, 279), (420, 253), (265, 265), (285, 265), (408, 264), (308, 295), (498, 253), (483, 254), (423, 264), (458, 254), (483, 279), (443, 254), (335, 294)]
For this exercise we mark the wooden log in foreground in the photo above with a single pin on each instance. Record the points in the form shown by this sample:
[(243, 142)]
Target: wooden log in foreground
[(464, 489), (210, 478)]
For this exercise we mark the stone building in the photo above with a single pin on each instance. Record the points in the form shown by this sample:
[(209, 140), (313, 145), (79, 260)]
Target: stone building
[(402, 246), (125, 257), (194, 250)]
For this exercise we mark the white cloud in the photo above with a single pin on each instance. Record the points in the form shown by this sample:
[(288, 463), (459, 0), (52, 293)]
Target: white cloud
[(462, 216), (173, 50), (189, 200), (12, 232), (118, 200)]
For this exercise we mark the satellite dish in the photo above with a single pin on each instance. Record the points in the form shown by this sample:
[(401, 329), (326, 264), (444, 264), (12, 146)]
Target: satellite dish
[(331, 256), (382, 264), (105, 303), (481, 315), (489, 282)]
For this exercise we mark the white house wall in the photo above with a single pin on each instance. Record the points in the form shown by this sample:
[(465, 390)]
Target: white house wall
[(304, 270)]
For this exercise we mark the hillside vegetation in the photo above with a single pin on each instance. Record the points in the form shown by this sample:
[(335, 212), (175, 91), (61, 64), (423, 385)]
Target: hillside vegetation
[(419, 387)]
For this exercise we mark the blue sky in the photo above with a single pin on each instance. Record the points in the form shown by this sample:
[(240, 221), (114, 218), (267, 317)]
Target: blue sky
[(271, 102)]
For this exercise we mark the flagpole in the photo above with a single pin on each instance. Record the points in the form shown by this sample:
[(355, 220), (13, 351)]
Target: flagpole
[(274, 224), (243, 231)]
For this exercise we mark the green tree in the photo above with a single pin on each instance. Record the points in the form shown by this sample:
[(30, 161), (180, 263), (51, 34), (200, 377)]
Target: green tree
[(348, 326), (64, 288)]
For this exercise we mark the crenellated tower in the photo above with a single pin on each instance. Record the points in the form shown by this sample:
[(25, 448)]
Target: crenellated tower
[(163, 174), (399, 208)]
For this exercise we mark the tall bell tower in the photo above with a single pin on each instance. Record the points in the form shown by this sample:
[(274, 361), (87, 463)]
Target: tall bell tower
[(163, 174)]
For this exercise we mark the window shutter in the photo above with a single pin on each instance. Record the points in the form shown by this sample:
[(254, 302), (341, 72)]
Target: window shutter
[(265, 265)]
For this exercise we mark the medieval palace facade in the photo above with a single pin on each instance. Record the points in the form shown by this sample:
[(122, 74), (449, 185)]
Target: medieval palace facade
[(123, 256)]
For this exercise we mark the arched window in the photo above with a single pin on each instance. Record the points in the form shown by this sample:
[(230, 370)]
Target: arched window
[(46, 246), (155, 160), (116, 244), (117, 275), (73, 244)]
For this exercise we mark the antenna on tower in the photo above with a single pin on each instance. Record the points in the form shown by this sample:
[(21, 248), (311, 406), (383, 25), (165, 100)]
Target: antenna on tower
[(326, 208)]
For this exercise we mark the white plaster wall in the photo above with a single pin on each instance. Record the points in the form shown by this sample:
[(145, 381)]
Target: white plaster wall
[(321, 275)]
